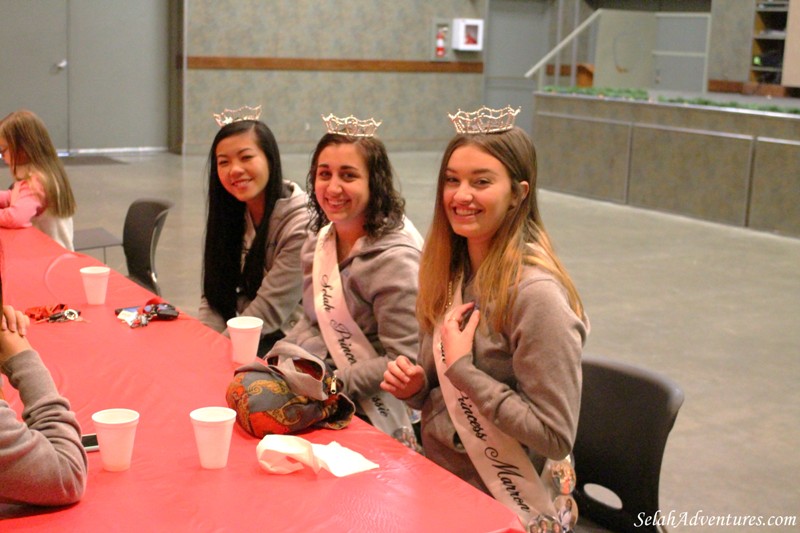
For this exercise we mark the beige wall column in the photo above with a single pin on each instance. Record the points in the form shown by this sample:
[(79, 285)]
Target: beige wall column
[(791, 51)]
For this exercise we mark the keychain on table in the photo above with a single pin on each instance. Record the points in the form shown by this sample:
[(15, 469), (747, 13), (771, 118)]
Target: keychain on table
[(154, 309), (65, 316), (53, 313)]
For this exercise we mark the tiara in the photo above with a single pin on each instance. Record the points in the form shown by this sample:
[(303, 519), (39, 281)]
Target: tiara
[(351, 126), (235, 115), (485, 120)]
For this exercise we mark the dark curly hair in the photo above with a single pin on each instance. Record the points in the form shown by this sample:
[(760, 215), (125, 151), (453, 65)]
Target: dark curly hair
[(385, 208)]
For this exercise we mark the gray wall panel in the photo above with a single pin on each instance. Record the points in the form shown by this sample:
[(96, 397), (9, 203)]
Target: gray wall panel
[(775, 202), (412, 106), (597, 167), (730, 42), (700, 175)]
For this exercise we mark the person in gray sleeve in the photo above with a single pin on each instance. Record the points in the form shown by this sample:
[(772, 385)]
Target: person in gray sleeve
[(360, 270), (257, 222), (42, 461), (501, 323)]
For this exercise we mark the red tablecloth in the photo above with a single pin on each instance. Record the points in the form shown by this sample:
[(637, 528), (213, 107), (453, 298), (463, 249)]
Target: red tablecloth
[(169, 368)]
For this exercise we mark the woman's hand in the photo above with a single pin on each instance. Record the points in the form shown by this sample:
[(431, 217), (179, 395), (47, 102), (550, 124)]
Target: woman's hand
[(457, 340), (13, 329), (403, 378), (15, 321)]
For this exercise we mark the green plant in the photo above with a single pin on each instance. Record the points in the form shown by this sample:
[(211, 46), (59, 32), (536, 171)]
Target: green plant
[(643, 95), (735, 105), (604, 92)]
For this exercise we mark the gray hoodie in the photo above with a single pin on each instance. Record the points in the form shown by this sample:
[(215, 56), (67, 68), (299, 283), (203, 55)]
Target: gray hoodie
[(526, 378), (277, 301), (42, 461), (380, 282)]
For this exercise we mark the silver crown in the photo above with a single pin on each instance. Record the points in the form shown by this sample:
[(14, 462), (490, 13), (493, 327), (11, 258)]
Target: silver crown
[(351, 126), (485, 120), (235, 115)]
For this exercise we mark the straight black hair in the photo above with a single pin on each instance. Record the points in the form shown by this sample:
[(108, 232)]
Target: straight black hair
[(224, 277)]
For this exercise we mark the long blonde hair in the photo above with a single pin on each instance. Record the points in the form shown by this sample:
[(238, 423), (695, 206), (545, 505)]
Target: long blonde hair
[(520, 240), (30, 144)]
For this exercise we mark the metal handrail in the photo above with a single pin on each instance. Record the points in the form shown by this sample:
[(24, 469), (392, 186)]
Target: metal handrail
[(539, 67)]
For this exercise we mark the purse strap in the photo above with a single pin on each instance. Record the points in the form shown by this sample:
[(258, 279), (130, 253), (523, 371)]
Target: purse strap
[(282, 360)]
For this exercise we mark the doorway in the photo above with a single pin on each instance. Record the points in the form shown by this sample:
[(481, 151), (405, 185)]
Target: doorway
[(518, 34), (33, 74), (97, 73)]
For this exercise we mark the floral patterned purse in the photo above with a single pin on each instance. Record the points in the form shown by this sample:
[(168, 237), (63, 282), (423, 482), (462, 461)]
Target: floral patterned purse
[(288, 392)]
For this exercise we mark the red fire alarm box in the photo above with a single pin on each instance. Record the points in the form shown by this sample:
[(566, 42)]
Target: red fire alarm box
[(468, 35)]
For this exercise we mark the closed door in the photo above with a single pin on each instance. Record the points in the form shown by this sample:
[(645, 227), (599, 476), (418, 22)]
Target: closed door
[(33, 62), (96, 72), (119, 74), (516, 38), (681, 51)]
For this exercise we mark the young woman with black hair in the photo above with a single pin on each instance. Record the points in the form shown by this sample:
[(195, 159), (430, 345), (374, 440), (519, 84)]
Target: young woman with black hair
[(257, 222)]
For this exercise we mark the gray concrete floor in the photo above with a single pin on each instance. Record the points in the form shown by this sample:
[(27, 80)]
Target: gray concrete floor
[(714, 307)]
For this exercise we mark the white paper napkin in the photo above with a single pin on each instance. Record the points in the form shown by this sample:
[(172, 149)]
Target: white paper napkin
[(283, 454)]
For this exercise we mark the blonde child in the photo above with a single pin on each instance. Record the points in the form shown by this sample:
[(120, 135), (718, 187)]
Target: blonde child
[(41, 195)]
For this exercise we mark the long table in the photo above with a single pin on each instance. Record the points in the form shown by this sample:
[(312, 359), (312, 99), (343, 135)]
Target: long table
[(164, 371)]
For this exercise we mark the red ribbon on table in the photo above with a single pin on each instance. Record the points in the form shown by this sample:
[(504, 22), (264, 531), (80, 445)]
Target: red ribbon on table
[(43, 312)]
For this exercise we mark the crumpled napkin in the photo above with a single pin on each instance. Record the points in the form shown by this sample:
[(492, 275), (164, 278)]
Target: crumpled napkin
[(283, 454)]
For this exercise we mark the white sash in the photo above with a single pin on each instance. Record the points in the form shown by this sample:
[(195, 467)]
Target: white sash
[(345, 341), (502, 463)]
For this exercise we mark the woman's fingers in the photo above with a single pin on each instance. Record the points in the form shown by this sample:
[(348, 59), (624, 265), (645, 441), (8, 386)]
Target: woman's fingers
[(14, 320)]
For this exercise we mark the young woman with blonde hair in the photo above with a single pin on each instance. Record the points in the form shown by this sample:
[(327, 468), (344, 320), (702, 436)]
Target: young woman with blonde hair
[(499, 375)]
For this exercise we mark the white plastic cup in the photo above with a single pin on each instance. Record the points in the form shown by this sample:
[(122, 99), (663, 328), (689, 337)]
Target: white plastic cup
[(245, 332), (116, 431), (213, 427), (95, 283)]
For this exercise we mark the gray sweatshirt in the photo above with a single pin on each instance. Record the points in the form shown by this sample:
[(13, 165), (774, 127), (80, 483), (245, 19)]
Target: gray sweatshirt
[(277, 301), (42, 461), (526, 378), (380, 283)]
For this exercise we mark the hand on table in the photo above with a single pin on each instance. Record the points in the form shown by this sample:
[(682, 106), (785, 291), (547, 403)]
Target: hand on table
[(14, 320), (13, 328)]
